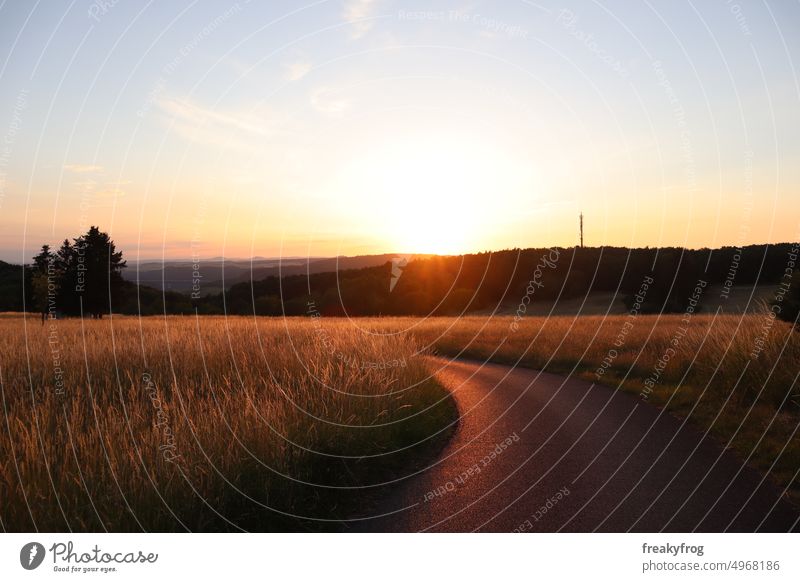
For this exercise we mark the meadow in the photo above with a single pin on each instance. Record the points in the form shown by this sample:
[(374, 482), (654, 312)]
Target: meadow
[(209, 424), (215, 423)]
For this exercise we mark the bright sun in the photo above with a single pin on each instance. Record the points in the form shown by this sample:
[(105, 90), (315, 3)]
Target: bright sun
[(428, 196)]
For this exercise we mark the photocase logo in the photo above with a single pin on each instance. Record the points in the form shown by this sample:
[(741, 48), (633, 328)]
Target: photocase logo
[(398, 264), (31, 555)]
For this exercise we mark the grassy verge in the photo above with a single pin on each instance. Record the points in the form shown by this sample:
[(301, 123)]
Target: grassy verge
[(735, 376), (209, 424)]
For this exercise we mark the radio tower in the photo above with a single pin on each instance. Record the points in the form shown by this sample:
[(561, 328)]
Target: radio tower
[(581, 229)]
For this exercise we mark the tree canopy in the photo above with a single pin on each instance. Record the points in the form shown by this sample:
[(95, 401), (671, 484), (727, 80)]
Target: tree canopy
[(82, 277)]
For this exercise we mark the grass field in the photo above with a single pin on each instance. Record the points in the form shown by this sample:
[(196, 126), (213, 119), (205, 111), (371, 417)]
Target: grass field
[(204, 424), (223, 423)]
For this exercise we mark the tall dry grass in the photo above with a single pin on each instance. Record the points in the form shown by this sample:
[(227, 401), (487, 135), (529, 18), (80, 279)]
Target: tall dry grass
[(175, 423), (224, 423)]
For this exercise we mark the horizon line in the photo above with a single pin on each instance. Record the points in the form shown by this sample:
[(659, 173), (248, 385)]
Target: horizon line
[(222, 258)]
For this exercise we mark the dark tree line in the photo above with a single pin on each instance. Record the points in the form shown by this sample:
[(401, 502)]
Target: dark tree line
[(484, 281), (81, 277), (86, 273)]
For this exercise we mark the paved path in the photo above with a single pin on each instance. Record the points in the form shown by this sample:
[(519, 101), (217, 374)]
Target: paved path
[(626, 465)]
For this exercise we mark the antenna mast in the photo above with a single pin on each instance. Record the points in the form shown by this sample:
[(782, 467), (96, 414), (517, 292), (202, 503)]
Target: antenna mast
[(581, 229)]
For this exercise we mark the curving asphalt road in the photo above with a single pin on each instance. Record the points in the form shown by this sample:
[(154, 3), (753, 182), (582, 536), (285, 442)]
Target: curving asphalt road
[(578, 457)]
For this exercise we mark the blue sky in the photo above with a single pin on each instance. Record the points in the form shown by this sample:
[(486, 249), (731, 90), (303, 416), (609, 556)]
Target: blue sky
[(358, 126)]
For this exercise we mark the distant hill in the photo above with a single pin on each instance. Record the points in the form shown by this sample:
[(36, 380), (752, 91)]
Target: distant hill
[(517, 280), (217, 274), (526, 281)]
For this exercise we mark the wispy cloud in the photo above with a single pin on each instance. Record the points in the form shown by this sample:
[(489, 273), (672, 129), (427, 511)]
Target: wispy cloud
[(296, 71), (101, 190), (113, 190), (329, 101), (241, 128), (83, 168), (195, 115), (358, 13), (85, 185)]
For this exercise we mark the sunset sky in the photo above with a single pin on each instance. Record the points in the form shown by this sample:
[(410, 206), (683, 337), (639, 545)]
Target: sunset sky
[(355, 127)]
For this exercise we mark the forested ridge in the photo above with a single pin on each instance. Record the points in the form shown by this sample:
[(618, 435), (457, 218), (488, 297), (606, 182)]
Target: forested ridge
[(432, 285)]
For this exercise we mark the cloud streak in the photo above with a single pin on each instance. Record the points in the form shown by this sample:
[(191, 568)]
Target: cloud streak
[(328, 101), (243, 129), (83, 168), (296, 71), (359, 14), (196, 116)]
